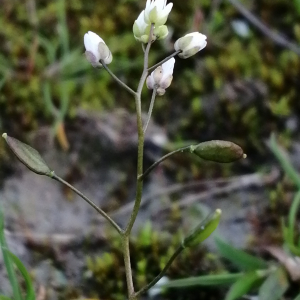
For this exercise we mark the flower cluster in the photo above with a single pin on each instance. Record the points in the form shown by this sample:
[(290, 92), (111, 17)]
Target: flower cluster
[(151, 20), (156, 13)]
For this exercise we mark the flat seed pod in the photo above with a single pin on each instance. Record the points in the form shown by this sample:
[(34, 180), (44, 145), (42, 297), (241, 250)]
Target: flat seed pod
[(28, 156), (203, 230), (218, 151)]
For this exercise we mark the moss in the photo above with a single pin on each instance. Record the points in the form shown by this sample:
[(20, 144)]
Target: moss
[(150, 252)]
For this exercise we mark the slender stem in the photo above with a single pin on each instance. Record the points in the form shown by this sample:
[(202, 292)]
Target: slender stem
[(162, 273), (120, 82), (164, 60), (90, 202), (150, 109), (276, 37), (162, 159), (130, 287), (139, 185)]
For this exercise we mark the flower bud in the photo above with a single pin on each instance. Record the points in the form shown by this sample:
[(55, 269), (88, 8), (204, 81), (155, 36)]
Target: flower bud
[(157, 74), (190, 44), (141, 29), (161, 77), (157, 12), (218, 151), (96, 49), (161, 32)]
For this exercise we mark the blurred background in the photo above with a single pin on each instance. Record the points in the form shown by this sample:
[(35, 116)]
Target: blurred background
[(242, 87)]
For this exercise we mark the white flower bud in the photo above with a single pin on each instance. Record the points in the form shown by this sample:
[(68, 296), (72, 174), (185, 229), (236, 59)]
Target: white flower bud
[(190, 44), (157, 12), (96, 49), (157, 74), (141, 29), (161, 32), (161, 77)]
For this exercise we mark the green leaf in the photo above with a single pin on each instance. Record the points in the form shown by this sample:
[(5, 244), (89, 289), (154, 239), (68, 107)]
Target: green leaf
[(30, 294), (8, 263), (298, 297), (218, 151), (243, 285), (28, 156), (207, 280), (274, 286), (292, 218), (284, 161), (240, 258), (203, 230), (4, 298)]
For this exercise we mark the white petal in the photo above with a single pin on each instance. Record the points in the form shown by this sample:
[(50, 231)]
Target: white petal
[(168, 68), (150, 82), (168, 8), (176, 45)]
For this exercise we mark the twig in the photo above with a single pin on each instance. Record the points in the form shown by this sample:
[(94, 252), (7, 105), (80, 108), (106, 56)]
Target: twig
[(277, 38)]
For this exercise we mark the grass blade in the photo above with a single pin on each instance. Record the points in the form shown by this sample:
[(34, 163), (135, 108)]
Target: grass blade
[(207, 280), (284, 161), (30, 294), (298, 297), (8, 263), (292, 217), (240, 258), (243, 285), (274, 286)]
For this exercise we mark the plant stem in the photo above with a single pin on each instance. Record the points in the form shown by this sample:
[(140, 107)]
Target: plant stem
[(120, 82), (139, 185), (164, 60), (162, 273), (126, 252), (150, 109), (162, 159), (90, 202)]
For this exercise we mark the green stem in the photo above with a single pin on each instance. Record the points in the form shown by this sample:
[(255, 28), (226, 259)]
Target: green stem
[(127, 263), (90, 202), (150, 109), (139, 185), (120, 82), (162, 273), (142, 177), (164, 60)]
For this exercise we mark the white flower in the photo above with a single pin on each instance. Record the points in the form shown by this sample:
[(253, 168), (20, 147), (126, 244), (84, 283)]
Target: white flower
[(190, 44), (96, 49), (161, 77), (157, 12)]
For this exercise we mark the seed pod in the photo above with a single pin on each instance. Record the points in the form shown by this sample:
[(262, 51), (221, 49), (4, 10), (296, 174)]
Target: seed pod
[(203, 230), (218, 151), (28, 156)]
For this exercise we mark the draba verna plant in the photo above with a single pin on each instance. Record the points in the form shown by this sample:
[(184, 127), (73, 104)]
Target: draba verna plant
[(147, 29)]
